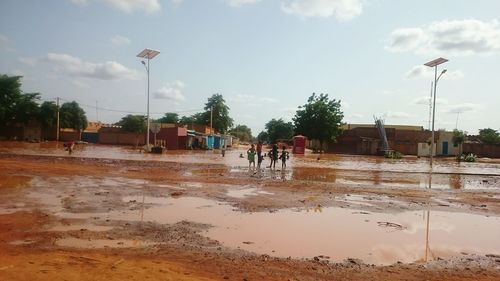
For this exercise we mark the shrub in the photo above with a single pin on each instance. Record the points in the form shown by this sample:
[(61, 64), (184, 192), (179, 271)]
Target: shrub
[(466, 157), (392, 154)]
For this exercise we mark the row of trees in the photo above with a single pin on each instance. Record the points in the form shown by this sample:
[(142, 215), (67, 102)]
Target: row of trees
[(18, 108), (320, 118)]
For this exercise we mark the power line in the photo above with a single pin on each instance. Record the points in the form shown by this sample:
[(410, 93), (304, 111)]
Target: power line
[(126, 111)]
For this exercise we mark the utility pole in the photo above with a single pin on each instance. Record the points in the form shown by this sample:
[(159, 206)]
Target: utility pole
[(96, 112), (211, 118), (430, 106), (57, 134)]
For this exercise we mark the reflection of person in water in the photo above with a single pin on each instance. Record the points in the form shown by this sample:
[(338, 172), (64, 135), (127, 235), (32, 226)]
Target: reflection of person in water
[(69, 146)]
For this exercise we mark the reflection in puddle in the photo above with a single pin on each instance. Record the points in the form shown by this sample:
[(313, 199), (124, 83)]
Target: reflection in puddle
[(407, 179), (245, 192), (102, 243), (335, 232)]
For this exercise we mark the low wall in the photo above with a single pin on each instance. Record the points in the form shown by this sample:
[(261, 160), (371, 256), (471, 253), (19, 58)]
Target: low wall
[(121, 138), (481, 149)]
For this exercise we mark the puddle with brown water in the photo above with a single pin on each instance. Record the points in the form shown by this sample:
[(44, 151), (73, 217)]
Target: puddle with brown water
[(14, 181), (334, 232)]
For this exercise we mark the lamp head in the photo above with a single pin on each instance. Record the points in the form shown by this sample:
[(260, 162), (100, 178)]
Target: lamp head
[(143, 62), (444, 71)]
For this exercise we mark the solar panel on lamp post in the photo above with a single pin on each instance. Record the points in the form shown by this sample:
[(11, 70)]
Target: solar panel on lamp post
[(147, 54), (435, 63)]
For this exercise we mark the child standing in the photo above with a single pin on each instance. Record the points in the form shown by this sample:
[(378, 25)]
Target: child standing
[(284, 156), (251, 156)]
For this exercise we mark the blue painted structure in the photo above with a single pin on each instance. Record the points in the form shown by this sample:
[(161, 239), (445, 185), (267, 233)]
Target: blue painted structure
[(91, 137)]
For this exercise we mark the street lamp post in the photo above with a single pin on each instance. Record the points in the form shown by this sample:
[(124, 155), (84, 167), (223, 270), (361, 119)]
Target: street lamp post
[(435, 63), (147, 54)]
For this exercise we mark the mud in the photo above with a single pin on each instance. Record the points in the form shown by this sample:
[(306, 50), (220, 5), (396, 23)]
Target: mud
[(196, 216)]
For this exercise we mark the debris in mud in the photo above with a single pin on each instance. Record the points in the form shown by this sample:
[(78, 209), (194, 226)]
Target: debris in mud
[(247, 242), (176, 194), (391, 224)]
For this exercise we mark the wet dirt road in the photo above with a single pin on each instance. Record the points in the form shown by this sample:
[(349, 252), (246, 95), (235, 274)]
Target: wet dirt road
[(198, 216)]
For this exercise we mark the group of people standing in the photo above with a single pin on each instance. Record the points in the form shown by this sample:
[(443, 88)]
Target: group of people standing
[(273, 154)]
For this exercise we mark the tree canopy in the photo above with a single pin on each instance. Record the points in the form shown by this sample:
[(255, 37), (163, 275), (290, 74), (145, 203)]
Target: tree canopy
[(220, 116), (242, 132), (263, 136), (489, 136), (71, 115), (48, 114), (16, 106), (320, 118), (458, 137), (133, 123), (197, 118), (169, 117), (279, 129)]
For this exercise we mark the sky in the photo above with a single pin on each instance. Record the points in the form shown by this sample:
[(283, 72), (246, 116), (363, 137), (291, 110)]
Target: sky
[(266, 57)]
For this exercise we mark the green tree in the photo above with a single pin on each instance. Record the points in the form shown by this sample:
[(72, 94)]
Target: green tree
[(263, 136), (48, 114), (197, 118), (320, 118), (279, 129), (220, 113), (489, 136), (71, 115), (458, 138), (170, 118), (242, 132), (16, 106), (133, 124)]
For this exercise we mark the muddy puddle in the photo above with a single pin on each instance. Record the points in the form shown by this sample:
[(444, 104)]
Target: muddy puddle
[(383, 179), (102, 243), (232, 159), (333, 233)]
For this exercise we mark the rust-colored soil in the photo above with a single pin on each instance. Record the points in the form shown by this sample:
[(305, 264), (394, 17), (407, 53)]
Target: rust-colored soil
[(28, 250)]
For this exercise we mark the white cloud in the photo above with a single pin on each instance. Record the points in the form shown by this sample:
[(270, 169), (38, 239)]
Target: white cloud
[(239, 3), (397, 115), (463, 107), (74, 66), (128, 6), (27, 61), (119, 40), (425, 72), (171, 91), (340, 9), (425, 100), (456, 37), (243, 98), (355, 116)]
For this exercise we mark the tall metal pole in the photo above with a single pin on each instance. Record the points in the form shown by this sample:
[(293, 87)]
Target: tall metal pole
[(211, 118), (433, 113), (430, 106), (147, 122), (57, 133)]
